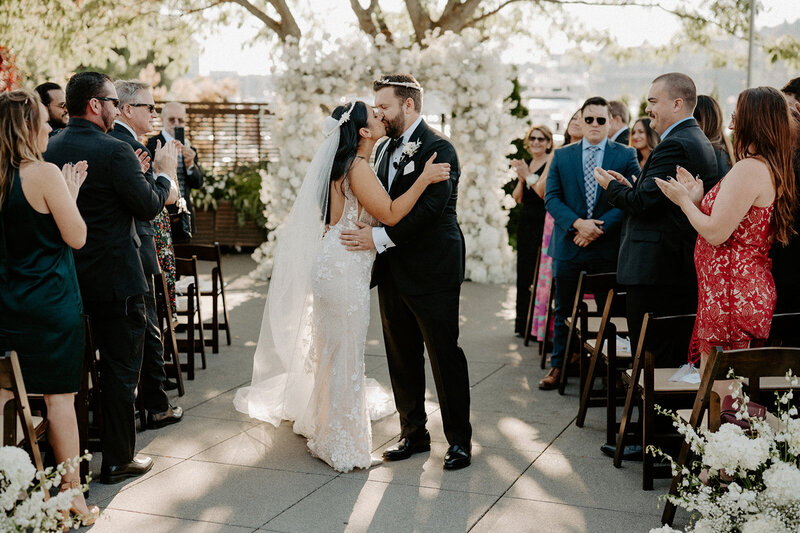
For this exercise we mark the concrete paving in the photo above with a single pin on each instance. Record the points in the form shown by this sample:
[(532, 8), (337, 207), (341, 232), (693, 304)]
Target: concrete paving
[(532, 469)]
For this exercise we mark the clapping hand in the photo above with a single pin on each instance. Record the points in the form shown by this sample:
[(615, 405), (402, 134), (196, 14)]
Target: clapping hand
[(604, 177), (674, 190), (144, 160), (435, 172), (75, 175), (165, 159), (521, 168), (693, 184)]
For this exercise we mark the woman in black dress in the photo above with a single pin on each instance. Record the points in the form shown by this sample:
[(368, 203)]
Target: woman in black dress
[(538, 143), (40, 303)]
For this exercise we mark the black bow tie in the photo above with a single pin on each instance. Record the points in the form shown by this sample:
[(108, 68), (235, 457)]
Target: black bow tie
[(394, 143)]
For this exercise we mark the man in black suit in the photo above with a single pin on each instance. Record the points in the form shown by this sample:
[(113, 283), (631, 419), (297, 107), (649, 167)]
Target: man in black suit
[(656, 256), (586, 230), (190, 176), (618, 130), (109, 268), (419, 271), (136, 113)]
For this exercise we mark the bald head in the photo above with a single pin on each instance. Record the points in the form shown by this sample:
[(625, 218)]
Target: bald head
[(173, 114)]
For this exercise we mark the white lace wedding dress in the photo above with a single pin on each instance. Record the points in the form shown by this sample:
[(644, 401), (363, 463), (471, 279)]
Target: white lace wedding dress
[(336, 417), (343, 400)]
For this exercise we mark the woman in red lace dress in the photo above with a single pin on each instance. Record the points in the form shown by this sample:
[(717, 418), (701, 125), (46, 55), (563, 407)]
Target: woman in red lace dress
[(736, 223)]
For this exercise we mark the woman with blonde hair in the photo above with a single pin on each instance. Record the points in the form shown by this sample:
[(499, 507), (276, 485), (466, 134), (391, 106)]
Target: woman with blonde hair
[(40, 303), (737, 221), (539, 144)]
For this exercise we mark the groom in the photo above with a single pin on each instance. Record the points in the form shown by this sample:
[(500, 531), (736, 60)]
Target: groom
[(419, 270)]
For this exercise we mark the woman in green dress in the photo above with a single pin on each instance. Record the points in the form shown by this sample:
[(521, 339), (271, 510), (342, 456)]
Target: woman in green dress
[(40, 303)]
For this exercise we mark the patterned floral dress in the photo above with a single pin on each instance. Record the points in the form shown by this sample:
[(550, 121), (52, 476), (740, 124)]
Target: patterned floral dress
[(542, 299), (166, 254), (736, 291)]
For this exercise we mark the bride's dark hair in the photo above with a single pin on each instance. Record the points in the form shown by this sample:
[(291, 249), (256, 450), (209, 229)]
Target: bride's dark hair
[(348, 137)]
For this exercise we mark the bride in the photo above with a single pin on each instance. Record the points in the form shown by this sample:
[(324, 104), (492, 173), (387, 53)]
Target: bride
[(309, 362)]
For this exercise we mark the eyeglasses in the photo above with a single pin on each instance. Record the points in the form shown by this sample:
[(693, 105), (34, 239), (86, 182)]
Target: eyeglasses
[(114, 101), (537, 139), (62, 105), (150, 107), (600, 120)]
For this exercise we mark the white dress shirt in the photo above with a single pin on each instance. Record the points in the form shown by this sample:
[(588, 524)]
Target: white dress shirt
[(379, 236)]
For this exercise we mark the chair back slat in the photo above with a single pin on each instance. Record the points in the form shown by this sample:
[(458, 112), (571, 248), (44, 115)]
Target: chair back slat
[(203, 252)]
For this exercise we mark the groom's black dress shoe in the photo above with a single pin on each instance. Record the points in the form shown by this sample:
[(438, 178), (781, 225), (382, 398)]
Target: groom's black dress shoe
[(114, 474), (457, 456), (407, 447)]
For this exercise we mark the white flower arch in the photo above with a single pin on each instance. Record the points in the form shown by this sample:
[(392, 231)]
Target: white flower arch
[(462, 69)]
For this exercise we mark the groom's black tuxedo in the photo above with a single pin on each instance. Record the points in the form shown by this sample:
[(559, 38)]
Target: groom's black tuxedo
[(419, 281), (429, 252)]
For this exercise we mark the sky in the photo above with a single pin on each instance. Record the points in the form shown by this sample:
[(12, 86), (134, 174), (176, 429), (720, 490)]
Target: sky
[(225, 49)]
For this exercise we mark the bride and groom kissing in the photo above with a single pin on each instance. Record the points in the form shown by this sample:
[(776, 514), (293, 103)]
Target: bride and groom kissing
[(309, 361)]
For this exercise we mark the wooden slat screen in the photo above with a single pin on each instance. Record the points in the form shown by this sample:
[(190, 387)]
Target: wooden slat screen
[(227, 135)]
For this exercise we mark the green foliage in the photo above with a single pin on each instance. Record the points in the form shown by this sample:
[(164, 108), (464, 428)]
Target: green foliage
[(519, 111), (53, 39), (242, 187)]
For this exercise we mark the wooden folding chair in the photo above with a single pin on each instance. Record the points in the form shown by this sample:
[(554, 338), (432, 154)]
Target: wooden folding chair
[(215, 289), (189, 306), (603, 348), (167, 325), (532, 301), (752, 364), (88, 400), (651, 385), (16, 413), (584, 321)]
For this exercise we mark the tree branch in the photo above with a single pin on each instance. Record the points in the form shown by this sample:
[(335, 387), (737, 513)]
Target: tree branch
[(420, 18), (284, 28), (365, 21)]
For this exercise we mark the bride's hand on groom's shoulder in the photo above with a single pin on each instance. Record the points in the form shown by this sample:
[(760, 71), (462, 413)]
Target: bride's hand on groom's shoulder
[(435, 172), (357, 239)]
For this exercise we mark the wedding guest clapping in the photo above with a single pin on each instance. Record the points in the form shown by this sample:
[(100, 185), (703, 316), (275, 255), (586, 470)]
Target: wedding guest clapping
[(109, 267), (644, 139), (655, 257), (40, 303), (538, 143), (737, 221), (708, 115)]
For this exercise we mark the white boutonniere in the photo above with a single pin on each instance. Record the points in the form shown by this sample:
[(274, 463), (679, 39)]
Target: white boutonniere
[(410, 148)]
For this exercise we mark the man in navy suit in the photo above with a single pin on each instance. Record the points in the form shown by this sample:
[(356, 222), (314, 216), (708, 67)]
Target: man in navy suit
[(586, 231)]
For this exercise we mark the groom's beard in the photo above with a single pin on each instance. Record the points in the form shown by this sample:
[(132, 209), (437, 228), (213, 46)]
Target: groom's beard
[(396, 127)]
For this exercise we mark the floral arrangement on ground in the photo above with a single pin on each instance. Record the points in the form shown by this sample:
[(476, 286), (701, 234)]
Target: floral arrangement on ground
[(24, 494), (744, 480)]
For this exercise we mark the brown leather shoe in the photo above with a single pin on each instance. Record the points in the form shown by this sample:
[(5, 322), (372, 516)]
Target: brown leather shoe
[(550, 381)]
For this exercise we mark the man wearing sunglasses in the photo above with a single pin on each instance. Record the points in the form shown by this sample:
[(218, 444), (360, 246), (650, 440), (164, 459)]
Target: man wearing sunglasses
[(136, 113), (586, 231), (109, 268), (53, 98)]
